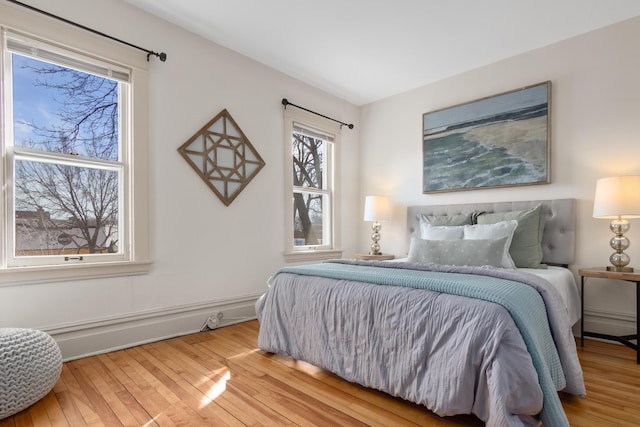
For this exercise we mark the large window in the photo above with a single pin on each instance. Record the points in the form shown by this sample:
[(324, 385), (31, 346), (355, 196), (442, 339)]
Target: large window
[(67, 157), (311, 162)]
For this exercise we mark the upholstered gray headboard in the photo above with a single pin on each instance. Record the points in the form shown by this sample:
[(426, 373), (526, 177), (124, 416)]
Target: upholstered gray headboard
[(558, 239)]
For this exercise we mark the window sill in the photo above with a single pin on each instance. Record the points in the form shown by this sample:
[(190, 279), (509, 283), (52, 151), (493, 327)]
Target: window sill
[(318, 255), (47, 274)]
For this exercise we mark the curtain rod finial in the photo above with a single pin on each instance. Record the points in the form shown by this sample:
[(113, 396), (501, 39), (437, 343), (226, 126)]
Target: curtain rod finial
[(161, 55), (285, 102)]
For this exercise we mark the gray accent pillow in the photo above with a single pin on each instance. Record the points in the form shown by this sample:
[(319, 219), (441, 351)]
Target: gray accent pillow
[(458, 252), (526, 245), (458, 219)]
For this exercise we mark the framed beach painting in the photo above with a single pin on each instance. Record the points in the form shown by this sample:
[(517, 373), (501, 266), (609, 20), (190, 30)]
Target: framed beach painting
[(498, 141)]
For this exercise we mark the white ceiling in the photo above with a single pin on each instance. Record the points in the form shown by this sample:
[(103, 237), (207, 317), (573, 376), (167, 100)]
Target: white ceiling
[(366, 50)]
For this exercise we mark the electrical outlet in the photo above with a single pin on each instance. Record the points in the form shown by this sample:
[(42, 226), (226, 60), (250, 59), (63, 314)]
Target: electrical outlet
[(213, 321)]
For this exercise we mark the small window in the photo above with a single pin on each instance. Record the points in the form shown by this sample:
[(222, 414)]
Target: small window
[(311, 219)]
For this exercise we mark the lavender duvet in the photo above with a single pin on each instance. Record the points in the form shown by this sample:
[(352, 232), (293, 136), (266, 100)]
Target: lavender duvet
[(493, 342)]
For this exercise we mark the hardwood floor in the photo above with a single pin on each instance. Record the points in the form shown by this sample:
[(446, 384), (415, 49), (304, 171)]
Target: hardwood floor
[(221, 378)]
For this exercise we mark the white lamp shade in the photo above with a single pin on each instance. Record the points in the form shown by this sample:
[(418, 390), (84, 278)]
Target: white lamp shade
[(617, 196), (376, 208)]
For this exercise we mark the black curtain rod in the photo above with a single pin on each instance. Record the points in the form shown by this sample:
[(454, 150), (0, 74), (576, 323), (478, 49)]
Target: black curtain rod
[(162, 55), (285, 102)]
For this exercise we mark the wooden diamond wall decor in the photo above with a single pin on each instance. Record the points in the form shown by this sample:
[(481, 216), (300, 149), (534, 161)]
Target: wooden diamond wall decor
[(223, 157)]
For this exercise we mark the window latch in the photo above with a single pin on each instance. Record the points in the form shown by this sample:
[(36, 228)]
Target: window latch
[(73, 258)]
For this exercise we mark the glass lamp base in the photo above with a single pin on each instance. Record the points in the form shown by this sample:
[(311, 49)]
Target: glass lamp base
[(619, 260)]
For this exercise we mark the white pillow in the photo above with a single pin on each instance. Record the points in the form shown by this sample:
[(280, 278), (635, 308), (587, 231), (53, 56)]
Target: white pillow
[(477, 252), (494, 231), (441, 232)]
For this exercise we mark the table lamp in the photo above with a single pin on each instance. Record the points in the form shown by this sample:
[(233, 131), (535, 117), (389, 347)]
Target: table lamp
[(618, 198), (376, 209)]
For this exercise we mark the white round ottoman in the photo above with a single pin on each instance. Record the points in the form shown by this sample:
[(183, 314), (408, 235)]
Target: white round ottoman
[(30, 365)]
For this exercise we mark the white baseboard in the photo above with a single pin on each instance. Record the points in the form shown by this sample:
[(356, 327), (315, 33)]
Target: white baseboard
[(609, 322), (114, 333), (109, 334)]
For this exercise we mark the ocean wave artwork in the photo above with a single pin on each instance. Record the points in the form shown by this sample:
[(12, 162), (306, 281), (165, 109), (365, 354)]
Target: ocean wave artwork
[(498, 141)]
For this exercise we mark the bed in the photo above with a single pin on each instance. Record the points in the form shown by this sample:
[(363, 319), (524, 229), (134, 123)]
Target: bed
[(449, 327)]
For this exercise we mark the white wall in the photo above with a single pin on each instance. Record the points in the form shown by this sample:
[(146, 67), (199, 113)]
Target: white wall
[(595, 133), (205, 254)]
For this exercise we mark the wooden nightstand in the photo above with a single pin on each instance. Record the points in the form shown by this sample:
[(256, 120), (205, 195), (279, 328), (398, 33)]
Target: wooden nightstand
[(382, 257), (601, 273)]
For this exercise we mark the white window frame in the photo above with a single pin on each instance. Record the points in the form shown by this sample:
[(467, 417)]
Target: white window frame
[(295, 118), (73, 42)]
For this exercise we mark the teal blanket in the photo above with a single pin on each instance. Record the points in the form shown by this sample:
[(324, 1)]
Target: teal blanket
[(523, 302)]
